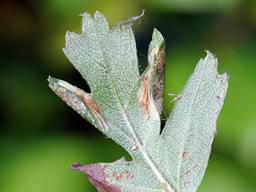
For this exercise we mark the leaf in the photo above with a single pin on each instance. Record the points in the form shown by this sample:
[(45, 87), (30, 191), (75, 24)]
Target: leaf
[(126, 107)]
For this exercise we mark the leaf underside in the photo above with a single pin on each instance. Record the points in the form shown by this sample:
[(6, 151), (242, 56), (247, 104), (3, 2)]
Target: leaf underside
[(126, 107)]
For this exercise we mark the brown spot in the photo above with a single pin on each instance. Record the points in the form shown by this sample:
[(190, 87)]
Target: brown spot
[(185, 154), (145, 97), (218, 97), (188, 173), (195, 168), (122, 175), (187, 184)]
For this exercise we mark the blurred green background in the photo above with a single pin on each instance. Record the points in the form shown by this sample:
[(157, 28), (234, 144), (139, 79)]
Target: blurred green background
[(40, 137)]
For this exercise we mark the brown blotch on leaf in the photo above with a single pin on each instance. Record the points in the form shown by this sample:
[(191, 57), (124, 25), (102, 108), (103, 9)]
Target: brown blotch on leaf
[(95, 110), (159, 79), (145, 97), (96, 176), (151, 91), (88, 100)]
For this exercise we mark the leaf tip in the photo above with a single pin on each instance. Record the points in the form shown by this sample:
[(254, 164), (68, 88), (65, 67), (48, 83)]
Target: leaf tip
[(98, 14), (157, 37), (85, 14), (52, 82), (209, 55), (49, 78)]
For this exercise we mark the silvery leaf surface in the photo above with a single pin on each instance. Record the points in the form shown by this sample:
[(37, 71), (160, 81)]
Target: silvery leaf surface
[(126, 107)]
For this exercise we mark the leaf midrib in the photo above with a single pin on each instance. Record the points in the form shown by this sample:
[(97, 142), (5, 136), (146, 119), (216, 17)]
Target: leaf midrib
[(144, 153), (188, 125)]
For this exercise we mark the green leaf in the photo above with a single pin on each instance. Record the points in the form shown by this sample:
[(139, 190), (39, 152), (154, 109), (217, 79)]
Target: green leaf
[(126, 107)]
